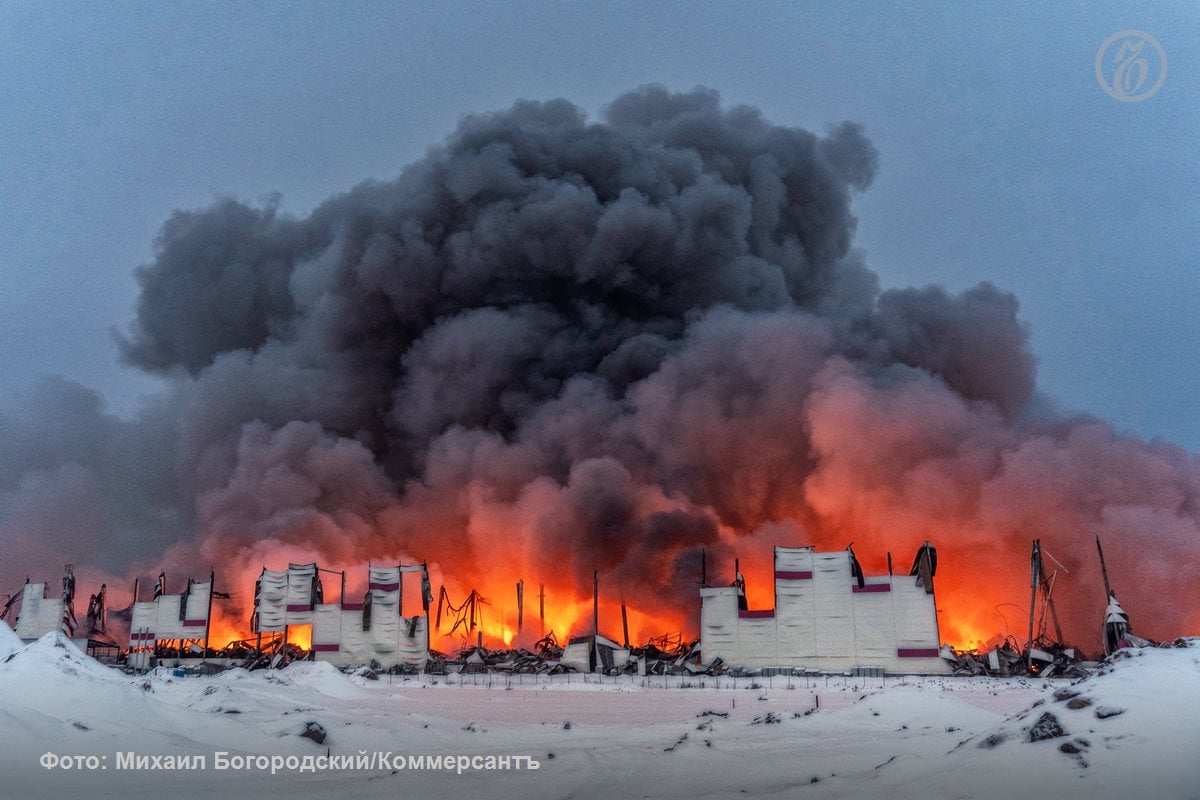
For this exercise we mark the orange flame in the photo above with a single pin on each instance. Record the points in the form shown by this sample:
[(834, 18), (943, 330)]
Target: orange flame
[(967, 619), (978, 606), (566, 615)]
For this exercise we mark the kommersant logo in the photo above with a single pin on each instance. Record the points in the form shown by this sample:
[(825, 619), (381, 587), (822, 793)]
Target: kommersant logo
[(1131, 66)]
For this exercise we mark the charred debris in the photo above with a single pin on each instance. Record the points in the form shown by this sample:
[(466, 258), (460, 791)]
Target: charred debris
[(1043, 654), (375, 637)]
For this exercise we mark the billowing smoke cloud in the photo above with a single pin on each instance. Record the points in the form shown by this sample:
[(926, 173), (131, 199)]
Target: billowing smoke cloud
[(77, 484), (554, 345)]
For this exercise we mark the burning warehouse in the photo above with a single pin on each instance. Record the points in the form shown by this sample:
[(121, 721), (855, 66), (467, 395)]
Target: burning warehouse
[(348, 633), (179, 620), (557, 344), (828, 616)]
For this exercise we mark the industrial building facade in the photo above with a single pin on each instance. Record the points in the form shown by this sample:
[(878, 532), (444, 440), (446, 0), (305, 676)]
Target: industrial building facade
[(828, 616), (179, 618), (41, 614), (348, 633)]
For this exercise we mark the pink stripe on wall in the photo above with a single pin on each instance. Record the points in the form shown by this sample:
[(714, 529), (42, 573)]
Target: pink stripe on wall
[(793, 576), (296, 609), (352, 606), (918, 652), (384, 587), (325, 648), (768, 614), (871, 587), (194, 623)]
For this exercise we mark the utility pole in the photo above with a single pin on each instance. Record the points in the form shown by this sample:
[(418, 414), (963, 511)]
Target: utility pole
[(624, 622), (212, 585), (542, 607), (1104, 571), (595, 620), (1035, 565), (520, 605)]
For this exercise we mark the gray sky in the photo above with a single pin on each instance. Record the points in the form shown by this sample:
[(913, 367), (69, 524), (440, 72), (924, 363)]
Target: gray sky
[(1001, 157)]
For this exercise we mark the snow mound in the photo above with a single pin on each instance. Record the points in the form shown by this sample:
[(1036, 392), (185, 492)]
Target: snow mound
[(917, 707), (53, 659), (9, 642), (1130, 727), (322, 677)]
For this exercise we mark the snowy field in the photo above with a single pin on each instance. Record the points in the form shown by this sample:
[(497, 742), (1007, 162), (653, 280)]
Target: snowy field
[(1132, 731)]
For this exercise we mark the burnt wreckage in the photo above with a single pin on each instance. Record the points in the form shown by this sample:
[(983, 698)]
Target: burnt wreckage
[(827, 616)]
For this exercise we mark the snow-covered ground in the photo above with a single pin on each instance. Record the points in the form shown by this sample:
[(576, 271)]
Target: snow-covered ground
[(1134, 731)]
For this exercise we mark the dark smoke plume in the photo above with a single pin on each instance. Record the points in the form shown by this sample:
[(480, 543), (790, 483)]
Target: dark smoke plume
[(574, 345)]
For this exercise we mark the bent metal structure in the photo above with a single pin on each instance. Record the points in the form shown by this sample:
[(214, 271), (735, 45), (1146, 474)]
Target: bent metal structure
[(828, 616)]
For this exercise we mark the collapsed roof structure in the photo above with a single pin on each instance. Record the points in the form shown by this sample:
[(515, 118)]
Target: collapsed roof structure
[(828, 616), (594, 652)]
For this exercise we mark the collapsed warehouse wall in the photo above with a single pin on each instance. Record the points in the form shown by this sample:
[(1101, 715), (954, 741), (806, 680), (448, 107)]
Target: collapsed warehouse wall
[(179, 618), (828, 616), (42, 614), (375, 630), (286, 597)]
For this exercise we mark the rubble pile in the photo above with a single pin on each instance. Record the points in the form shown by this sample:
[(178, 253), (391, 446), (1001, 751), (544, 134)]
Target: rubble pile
[(670, 656), (514, 661), (276, 657), (664, 655), (1004, 660)]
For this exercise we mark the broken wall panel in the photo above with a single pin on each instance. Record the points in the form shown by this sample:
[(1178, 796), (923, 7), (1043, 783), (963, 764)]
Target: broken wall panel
[(39, 614), (286, 597), (353, 633), (825, 618), (172, 616)]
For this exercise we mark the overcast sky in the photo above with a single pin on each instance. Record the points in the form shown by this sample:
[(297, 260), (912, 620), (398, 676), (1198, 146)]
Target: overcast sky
[(1002, 159)]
